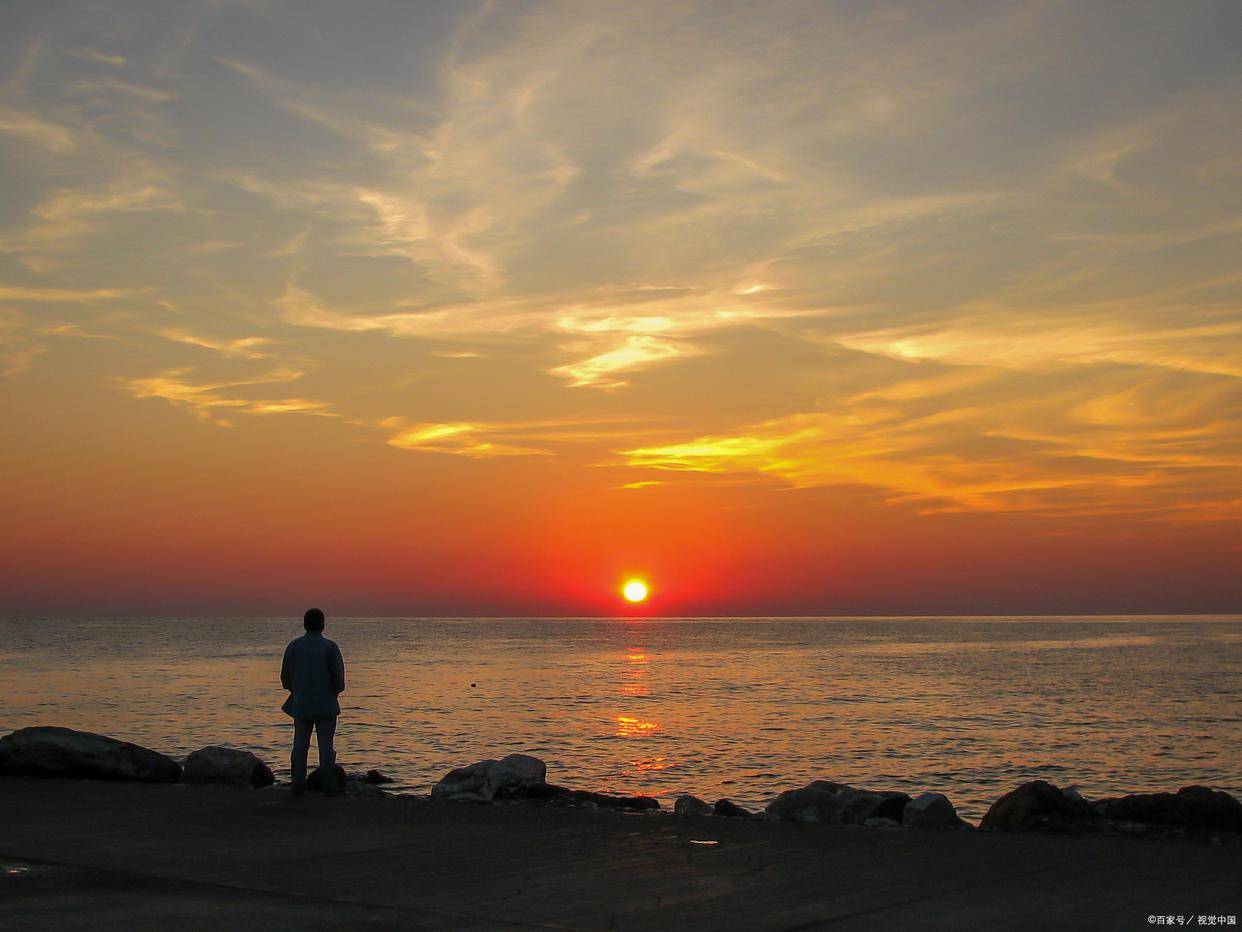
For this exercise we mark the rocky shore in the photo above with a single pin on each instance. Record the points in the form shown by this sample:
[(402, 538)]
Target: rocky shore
[(1195, 813)]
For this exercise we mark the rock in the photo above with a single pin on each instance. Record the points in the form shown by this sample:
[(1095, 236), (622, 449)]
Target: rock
[(826, 801), (730, 809), (1035, 806), (362, 788), (509, 777), (1197, 806), (214, 764), (316, 780), (1074, 792), (868, 805), (376, 777), (565, 797), (816, 802), (881, 822), (691, 806), (931, 810), (47, 751)]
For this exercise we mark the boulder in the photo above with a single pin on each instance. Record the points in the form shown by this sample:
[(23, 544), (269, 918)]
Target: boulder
[(362, 788), (1035, 806), (509, 777), (375, 777), (316, 780), (881, 822), (691, 806), (931, 810), (1197, 806), (816, 802), (214, 764), (561, 796), (826, 801), (864, 805), (730, 809), (47, 751), (1074, 792)]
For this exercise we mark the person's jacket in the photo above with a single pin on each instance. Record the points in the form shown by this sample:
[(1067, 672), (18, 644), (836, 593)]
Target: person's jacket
[(314, 673)]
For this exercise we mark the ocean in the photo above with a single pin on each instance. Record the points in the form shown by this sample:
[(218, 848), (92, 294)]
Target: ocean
[(719, 707)]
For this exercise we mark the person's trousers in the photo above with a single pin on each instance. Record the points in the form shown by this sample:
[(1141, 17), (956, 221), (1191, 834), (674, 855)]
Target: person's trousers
[(325, 729)]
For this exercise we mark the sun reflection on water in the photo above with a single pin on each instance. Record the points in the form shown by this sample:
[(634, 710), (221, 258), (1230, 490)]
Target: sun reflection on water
[(648, 764), (630, 727)]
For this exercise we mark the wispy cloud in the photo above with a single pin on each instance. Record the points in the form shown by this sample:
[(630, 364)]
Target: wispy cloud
[(214, 400), (62, 220), (858, 245), (1086, 338), (622, 331), (942, 444), (488, 439), (248, 347), (49, 135), (460, 439), (63, 295)]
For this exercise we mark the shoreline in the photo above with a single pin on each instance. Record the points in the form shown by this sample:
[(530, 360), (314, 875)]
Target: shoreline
[(1194, 812), (111, 852)]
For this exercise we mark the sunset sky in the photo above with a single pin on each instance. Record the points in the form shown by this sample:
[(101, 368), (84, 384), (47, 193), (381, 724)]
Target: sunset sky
[(474, 308)]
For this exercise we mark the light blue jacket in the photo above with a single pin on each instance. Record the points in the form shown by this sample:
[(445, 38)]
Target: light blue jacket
[(314, 673)]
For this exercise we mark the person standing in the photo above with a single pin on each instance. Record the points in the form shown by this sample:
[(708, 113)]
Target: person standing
[(314, 673)]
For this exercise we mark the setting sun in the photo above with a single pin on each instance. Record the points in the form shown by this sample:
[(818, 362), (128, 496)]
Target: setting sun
[(635, 591)]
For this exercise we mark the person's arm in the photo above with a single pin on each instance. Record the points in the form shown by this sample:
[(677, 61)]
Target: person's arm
[(286, 669), (337, 663)]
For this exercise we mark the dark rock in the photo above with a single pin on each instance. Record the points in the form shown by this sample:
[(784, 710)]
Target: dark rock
[(508, 778), (214, 764), (730, 809), (818, 801), (375, 777), (316, 780), (691, 806), (47, 751), (1036, 806), (1197, 806), (878, 806), (826, 801), (362, 788), (931, 810), (880, 822), (566, 797), (1074, 792)]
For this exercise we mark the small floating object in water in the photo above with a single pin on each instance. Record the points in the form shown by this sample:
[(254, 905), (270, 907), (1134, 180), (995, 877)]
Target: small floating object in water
[(703, 841), (472, 685)]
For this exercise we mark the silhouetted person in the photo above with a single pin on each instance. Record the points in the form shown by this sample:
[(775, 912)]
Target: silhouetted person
[(314, 673)]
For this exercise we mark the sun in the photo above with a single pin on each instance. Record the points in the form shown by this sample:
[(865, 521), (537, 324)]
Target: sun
[(635, 590)]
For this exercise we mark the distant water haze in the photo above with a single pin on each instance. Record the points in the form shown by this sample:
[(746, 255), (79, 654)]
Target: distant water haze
[(741, 708)]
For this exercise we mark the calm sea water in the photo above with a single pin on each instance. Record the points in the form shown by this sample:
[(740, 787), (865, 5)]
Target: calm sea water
[(741, 708)]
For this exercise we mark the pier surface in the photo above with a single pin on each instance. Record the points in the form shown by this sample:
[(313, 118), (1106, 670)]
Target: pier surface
[(94, 855)]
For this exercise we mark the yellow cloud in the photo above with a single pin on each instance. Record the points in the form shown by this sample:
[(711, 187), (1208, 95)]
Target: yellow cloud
[(635, 353), (65, 295), (249, 347), (210, 400), (953, 446), (460, 439)]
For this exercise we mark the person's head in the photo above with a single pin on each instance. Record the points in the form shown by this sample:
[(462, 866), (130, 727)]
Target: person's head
[(313, 619)]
